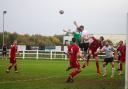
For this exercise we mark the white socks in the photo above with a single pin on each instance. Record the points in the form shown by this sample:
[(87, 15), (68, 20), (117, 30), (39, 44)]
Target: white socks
[(104, 71), (113, 69)]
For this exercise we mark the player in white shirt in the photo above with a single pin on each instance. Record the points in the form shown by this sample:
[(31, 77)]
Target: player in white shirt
[(109, 57), (84, 42)]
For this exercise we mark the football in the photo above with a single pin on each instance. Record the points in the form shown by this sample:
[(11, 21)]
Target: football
[(61, 12)]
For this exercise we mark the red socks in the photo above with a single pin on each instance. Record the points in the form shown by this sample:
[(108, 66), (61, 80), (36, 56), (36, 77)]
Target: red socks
[(73, 73), (97, 66)]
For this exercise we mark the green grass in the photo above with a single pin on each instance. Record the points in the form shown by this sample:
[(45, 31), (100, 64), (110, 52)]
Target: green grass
[(51, 74)]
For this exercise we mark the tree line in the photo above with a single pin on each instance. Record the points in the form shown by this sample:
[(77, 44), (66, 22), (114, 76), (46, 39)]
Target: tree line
[(26, 39)]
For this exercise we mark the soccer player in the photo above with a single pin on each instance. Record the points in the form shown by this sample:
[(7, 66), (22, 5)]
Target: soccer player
[(4, 52), (84, 43), (73, 61), (94, 45), (84, 37), (109, 57), (12, 55), (122, 55)]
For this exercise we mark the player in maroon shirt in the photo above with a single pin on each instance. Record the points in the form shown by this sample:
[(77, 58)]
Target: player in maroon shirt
[(12, 55), (94, 45), (121, 56), (73, 61)]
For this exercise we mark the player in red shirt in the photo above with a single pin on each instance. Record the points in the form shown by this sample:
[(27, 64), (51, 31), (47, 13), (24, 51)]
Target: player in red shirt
[(94, 45), (73, 61), (12, 56), (121, 56)]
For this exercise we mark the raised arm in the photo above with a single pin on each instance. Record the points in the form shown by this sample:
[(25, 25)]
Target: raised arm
[(75, 23)]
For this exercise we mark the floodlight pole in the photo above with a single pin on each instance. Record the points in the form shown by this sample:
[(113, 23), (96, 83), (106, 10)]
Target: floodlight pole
[(4, 12), (126, 68)]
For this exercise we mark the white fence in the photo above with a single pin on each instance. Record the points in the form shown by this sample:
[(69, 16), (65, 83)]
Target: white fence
[(41, 54)]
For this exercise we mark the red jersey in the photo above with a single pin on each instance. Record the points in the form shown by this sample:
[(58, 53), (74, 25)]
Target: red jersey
[(73, 56), (74, 51), (122, 52), (95, 45), (13, 51)]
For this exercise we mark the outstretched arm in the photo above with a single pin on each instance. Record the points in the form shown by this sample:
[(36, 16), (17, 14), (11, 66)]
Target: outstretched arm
[(67, 31), (75, 23)]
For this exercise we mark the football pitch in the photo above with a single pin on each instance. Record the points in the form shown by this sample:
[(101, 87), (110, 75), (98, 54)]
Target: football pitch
[(51, 74)]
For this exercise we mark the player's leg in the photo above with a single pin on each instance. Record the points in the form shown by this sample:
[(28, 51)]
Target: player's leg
[(122, 60), (76, 70), (11, 64), (113, 69), (104, 68), (118, 64), (3, 55), (15, 67), (9, 67), (88, 57), (97, 65), (85, 59), (70, 66), (121, 68)]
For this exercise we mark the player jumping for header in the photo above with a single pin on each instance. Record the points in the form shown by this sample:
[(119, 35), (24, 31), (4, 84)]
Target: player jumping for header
[(94, 45)]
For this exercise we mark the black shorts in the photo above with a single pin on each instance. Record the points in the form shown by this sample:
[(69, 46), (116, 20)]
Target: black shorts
[(84, 46), (108, 60), (4, 53)]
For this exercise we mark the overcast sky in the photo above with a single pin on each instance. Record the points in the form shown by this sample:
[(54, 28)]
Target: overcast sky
[(42, 17)]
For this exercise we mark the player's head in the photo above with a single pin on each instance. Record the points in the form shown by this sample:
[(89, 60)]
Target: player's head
[(15, 42), (121, 42), (106, 43), (73, 40), (101, 38), (67, 43), (81, 28), (91, 39)]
